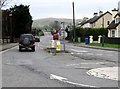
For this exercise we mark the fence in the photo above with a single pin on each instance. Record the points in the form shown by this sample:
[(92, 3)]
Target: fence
[(112, 40)]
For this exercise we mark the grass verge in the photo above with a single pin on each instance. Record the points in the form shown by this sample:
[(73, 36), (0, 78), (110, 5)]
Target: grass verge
[(106, 45)]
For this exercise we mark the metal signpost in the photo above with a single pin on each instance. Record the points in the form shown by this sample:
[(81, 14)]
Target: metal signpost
[(64, 35)]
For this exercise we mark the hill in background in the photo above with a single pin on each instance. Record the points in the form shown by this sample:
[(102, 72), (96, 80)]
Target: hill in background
[(39, 23)]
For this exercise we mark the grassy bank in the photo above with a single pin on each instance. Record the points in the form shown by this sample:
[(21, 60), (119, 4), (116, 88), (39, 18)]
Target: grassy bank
[(106, 45), (100, 44)]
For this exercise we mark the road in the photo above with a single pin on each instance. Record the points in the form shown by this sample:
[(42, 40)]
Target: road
[(42, 69)]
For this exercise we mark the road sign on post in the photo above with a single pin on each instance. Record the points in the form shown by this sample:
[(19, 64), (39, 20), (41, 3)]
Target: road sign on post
[(63, 35)]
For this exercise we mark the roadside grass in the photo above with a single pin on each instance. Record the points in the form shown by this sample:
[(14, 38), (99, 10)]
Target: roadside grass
[(106, 45), (100, 44)]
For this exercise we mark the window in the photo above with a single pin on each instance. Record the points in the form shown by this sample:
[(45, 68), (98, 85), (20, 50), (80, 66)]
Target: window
[(108, 22), (93, 24), (113, 33), (117, 20)]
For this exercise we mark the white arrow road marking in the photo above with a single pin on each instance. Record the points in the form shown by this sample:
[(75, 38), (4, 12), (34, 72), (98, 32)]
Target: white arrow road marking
[(52, 76), (65, 80)]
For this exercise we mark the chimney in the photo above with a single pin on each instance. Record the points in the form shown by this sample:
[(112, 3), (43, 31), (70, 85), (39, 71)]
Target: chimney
[(119, 6), (95, 14), (85, 18), (114, 12), (100, 13)]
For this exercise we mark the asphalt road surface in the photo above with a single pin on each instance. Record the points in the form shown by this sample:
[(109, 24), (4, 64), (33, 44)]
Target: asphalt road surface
[(42, 69)]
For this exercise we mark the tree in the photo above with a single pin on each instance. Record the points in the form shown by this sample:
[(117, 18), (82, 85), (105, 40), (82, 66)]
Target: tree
[(4, 3), (21, 20), (55, 25)]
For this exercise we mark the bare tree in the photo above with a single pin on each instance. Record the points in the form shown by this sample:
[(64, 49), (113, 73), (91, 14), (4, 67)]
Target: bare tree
[(4, 3)]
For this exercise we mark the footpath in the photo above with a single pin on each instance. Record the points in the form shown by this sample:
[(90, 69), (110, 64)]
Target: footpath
[(99, 72), (108, 72)]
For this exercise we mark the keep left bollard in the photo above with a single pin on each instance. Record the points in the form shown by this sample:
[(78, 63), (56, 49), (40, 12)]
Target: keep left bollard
[(52, 47), (52, 43), (58, 46), (91, 39)]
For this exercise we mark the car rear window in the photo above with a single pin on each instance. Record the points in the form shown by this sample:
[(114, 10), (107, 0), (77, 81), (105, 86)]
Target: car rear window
[(26, 36)]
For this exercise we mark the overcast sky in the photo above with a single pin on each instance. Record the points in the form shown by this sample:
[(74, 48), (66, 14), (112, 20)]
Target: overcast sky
[(63, 8)]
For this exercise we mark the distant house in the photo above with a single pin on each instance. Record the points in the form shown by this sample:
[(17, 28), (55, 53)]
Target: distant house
[(84, 23), (101, 21), (98, 21), (114, 27)]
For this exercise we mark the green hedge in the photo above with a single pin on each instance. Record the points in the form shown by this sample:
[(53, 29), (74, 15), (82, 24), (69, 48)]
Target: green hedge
[(86, 32)]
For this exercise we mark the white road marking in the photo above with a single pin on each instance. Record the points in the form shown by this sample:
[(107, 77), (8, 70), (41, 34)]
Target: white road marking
[(20, 62), (1, 71), (72, 64), (72, 53), (106, 73), (78, 51), (89, 63), (8, 49), (65, 80), (99, 54), (38, 44), (52, 76), (90, 53), (41, 48)]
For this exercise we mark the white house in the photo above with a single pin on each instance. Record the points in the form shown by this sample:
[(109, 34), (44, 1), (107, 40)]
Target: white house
[(114, 27)]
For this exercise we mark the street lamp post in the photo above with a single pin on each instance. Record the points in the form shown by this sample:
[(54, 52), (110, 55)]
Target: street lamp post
[(11, 35), (74, 37)]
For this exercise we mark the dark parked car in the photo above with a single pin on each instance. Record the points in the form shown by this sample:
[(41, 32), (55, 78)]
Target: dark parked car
[(37, 39), (27, 41)]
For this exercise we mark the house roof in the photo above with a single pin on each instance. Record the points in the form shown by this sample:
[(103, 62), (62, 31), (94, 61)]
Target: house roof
[(118, 14), (95, 18), (83, 22), (113, 25)]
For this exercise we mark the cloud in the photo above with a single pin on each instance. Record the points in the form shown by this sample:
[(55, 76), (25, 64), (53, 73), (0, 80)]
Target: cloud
[(63, 8)]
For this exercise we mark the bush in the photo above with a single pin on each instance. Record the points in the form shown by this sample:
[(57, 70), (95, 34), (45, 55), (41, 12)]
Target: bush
[(86, 32)]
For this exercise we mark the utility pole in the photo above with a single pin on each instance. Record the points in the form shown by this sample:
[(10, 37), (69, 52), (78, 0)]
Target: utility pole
[(11, 29), (103, 36), (0, 26), (74, 37)]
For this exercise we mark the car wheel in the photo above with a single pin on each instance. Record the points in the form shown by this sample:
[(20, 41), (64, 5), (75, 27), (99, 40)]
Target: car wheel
[(33, 48), (20, 48)]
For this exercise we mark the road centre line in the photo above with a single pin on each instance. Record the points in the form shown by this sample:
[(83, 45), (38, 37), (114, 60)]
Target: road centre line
[(90, 53), (65, 80), (90, 63), (99, 54), (79, 51)]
